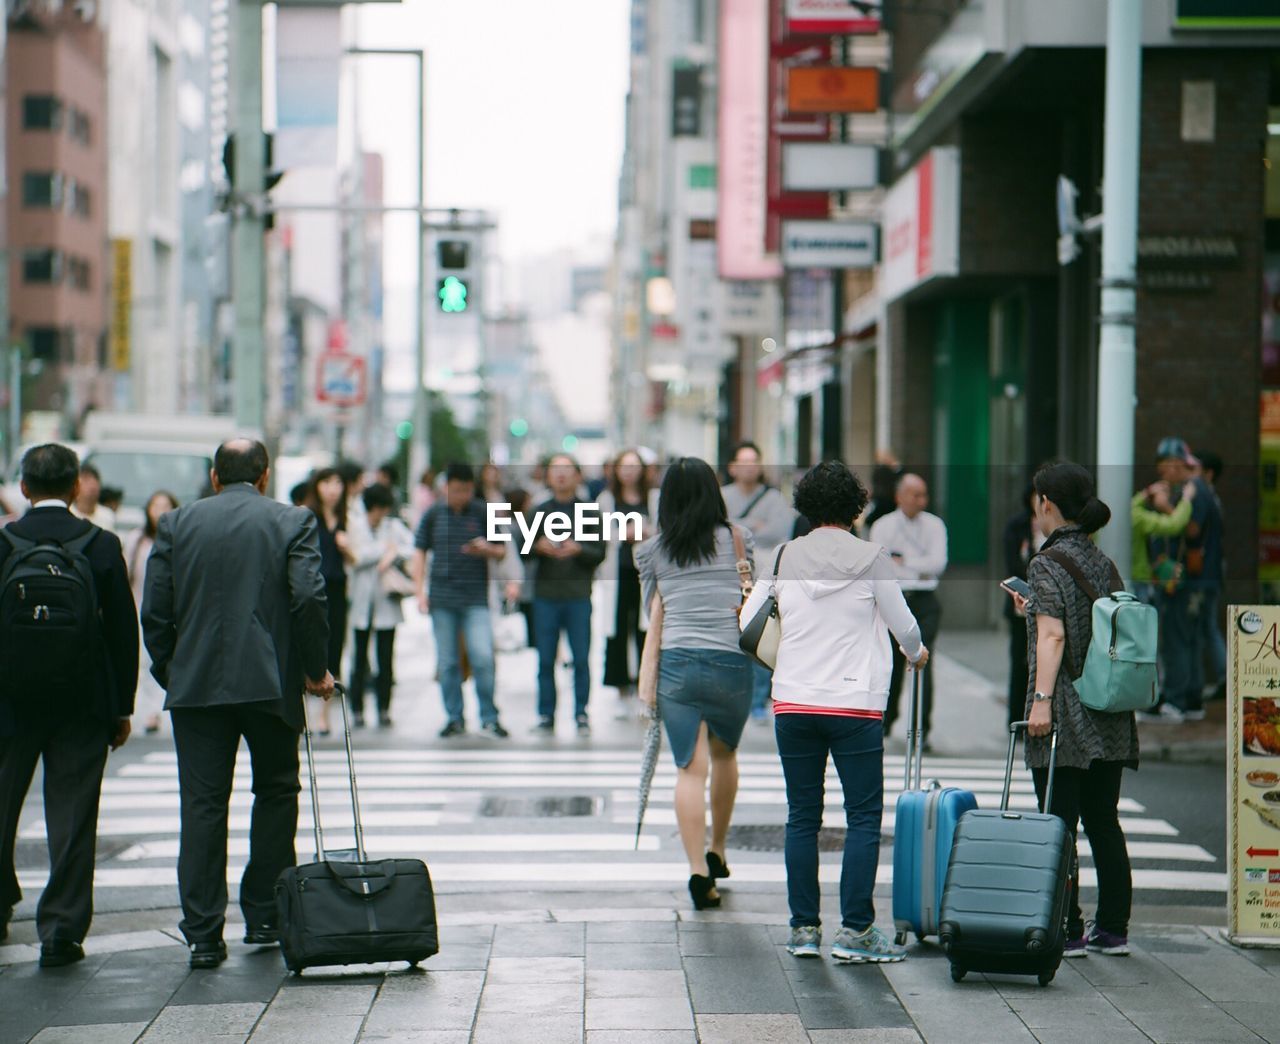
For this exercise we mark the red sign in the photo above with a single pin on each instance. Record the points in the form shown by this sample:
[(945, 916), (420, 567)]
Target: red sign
[(1255, 852), (341, 380), (337, 341), (833, 89), (829, 18)]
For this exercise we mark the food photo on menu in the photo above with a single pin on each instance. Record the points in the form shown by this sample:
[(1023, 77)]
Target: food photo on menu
[(1260, 728)]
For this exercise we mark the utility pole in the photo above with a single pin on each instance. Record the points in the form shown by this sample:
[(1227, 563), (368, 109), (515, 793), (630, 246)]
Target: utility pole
[(1117, 355), (248, 230)]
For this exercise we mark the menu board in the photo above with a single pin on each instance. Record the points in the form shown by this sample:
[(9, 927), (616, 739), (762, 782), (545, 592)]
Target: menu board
[(1253, 774)]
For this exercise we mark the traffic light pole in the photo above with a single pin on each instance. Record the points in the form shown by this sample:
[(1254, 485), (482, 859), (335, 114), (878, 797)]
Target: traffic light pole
[(247, 229)]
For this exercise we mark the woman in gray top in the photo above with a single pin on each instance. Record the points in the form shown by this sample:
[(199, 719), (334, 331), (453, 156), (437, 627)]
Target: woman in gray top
[(1094, 747), (692, 589)]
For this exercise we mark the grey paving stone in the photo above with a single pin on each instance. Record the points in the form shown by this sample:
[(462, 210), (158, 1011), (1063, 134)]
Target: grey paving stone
[(632, 932), (1069, 1004), (1262, 1016), (441, 1000), (103, 1033), (464, 957), (1068, 1035), (751, 1029), (831, 996), (636, 984), (539, 940), (126, 1006), (226, 986), (1209, 1025), (971, 1012), (531, 999), (1221, 974), (751, 984), (638, 956), (727, 940), (419, 1037), (866, 1036), (641, 1037), (537, 1029), (324, 999), (203, 1022), (123, 978), (291, 1027), (639, 1013), (513, 971)]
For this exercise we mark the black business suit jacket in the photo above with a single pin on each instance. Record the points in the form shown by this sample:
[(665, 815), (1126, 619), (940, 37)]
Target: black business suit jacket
[(234, 608), (115, 672)]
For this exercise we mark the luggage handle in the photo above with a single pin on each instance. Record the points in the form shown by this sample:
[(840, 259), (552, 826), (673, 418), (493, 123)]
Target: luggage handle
[(915, 733), (1014, 729), (340, 691)]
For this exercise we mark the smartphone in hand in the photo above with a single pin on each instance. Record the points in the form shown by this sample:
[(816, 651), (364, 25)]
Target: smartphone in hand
[(1016, 585)]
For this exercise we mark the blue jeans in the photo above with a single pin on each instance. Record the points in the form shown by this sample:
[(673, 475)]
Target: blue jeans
[(476, 629), (761, 687), (856, 745), (1182, 647), (550, 617), (1211, 638)]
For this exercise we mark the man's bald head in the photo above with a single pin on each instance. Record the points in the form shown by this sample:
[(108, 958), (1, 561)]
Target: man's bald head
[(240, 460), (912, 494)]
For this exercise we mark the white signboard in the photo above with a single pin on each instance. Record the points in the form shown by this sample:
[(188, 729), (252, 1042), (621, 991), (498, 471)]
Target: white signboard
[(922, 224), (829, 18), (829, 244), (811, 166)]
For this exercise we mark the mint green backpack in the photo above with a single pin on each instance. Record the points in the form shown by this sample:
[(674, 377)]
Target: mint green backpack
[(1120, 666)]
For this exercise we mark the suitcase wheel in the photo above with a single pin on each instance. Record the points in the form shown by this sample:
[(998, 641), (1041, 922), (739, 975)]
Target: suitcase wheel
[(900, 939), (958, 973), (1045, 977)]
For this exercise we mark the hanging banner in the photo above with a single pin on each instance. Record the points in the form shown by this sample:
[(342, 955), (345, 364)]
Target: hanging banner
[(1253, 774), (308, 63), (121, 304), (832, 89), (744, 141)]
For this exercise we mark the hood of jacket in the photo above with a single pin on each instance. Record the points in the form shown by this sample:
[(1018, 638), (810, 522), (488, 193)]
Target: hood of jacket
[(827, 561)]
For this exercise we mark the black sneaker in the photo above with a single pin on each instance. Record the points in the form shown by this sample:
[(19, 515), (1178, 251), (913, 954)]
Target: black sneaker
[(495, 729), (263, 935), (455, 728), (584, 726), (6, 915), (208, 954), (384, 720), (60, 953), (545, 725)]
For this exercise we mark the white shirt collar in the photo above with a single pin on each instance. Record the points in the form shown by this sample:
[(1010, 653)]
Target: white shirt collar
[(52, 502)]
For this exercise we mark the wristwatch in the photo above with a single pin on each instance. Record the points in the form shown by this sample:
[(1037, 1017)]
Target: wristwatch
[(1042, 697)]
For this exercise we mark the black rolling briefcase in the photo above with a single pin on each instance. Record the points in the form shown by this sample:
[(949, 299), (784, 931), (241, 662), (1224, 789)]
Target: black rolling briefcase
[(348, 909), (1004, 906)]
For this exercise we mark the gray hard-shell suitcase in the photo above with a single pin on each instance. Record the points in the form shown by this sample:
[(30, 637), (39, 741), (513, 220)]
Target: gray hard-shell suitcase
[(1004, 905), (347, 909)]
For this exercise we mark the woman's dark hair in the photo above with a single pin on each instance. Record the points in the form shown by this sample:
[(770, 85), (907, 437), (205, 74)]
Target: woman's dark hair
[(615, 487), (830, 494), (1070, 487), (50, 470), (313, 497), (690, 510), (378, 496), (149, 527)]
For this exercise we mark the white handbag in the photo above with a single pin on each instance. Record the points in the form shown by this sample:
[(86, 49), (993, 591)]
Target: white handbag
[(762, 634)]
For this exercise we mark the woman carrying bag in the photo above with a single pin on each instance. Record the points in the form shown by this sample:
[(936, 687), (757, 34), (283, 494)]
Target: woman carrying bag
[(379, 583), (692, 577), (835, 595), (1094, 747)]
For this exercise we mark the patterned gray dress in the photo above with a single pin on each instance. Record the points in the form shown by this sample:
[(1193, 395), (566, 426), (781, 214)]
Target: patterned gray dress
[(1084, 735)]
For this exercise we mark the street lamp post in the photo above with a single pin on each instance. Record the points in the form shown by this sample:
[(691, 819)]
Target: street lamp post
[(247, 229)]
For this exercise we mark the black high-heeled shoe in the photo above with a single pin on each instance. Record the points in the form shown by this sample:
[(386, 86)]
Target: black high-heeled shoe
[(700, 889), (717, 868)]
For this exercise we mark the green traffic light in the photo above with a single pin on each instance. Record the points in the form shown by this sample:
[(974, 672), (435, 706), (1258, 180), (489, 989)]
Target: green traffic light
[(404, 430), (453, 294), (519, 427), (569, 443)]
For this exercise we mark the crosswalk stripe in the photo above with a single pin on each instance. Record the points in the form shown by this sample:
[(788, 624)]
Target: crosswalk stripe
[(575, 874), (420, 844)]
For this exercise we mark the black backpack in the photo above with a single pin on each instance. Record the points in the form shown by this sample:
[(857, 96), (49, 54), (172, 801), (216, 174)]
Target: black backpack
[(50, 627)]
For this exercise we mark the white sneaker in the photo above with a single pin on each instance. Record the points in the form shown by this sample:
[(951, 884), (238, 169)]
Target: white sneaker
[(1193, 715)]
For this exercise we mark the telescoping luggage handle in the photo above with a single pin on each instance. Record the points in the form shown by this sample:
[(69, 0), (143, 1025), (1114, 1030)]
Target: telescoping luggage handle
[(1014, 729), (915, 733), (340, 692)]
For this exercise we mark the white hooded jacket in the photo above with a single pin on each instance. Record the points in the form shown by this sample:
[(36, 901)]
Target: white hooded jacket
[(836, 594)]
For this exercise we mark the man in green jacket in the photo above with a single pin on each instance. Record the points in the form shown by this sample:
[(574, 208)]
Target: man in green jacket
[(1153, 515)]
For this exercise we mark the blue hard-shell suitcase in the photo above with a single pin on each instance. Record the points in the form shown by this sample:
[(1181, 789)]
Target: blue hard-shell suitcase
[(924, 826)]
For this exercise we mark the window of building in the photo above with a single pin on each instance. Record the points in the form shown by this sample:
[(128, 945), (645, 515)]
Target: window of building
[(41, 189), (41, 112), (78, 199), (42, 266), (49, 343), (80, 127), (78, 273)]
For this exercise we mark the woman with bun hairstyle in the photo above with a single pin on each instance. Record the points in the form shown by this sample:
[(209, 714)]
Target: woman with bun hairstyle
[(1094, 747)]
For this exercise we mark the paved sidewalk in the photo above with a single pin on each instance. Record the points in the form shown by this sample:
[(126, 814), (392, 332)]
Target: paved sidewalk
[(649, 973)]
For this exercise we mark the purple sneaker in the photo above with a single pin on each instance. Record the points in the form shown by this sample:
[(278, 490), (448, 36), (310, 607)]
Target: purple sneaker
[(1077, 947), (1104, 942)]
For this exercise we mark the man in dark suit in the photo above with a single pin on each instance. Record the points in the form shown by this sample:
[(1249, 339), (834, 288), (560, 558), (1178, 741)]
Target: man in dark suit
[(234, 618), (70, 731)]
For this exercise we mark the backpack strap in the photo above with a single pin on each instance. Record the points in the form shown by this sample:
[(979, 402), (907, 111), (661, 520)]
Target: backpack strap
[(1077, 574), (753, 502), (80, 544), (16, 543)]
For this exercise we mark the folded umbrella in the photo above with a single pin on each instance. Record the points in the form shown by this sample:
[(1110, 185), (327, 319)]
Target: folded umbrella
[(648, 765)]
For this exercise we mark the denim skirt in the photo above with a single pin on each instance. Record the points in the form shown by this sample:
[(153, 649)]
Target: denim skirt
[(697, 685)]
